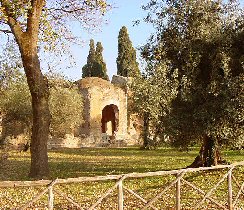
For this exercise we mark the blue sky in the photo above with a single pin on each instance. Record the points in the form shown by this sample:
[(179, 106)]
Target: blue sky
[(124, 13)]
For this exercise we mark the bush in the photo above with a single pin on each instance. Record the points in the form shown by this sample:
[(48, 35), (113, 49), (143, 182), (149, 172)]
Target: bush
[(15, 106), (66, 109)]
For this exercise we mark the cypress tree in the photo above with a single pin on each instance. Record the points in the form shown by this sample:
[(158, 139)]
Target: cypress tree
[(100, 69), (126, 60), (87, 69), (95, 66)]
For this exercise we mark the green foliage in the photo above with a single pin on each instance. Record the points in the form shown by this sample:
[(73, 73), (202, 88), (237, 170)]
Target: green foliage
[(65, 105), (151, 97), (10, 65), (95, 66), (152, 92), (127, 65), (87, 69), (199, 40), (66, 108), (16, 102), (101, 65)]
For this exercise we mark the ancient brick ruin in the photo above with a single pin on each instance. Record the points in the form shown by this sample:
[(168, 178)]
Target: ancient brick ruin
[(105, 119), (104, 114), (105, 109)]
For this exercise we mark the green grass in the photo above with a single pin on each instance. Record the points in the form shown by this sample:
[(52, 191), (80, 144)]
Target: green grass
[(65, 163)]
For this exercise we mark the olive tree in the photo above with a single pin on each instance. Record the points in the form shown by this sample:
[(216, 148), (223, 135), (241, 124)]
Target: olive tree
[(66, 106), (151, 96), (203, 41)]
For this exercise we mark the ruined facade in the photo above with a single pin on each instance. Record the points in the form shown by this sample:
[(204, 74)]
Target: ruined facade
[(105, 117), (105, 109)]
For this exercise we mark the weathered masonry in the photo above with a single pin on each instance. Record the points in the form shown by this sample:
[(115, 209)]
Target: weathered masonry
[(105, 110)]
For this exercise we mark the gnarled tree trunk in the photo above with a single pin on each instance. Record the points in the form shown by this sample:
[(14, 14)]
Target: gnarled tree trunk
[(209, 154)]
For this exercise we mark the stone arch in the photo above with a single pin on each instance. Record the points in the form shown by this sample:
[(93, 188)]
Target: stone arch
[(110, 119)]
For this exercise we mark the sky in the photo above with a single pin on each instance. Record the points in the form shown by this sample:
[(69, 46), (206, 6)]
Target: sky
[(124, 13)]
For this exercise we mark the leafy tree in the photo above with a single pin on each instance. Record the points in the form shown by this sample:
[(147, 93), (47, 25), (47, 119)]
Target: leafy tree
[(95, 66), (16, 107), (10, 66), (65, 105), (151, 96), (198, 39), (33, 22), (66, 113), (127, 65)]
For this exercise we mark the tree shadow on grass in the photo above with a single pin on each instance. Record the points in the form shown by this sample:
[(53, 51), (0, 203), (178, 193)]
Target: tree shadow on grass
[(15, 170), (65, 163), (130, 151)]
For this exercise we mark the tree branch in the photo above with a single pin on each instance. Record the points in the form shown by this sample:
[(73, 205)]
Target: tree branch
[(12, 22), (33, 20), (66, 10), (6, 31)]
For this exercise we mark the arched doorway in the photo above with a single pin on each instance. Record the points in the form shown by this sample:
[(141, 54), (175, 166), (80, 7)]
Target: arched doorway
[(110, 119)]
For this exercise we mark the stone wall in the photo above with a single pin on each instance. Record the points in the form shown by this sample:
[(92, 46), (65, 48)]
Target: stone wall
[(98, 94)]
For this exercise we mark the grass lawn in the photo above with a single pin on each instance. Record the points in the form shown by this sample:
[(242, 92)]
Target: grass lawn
[(65, 163)]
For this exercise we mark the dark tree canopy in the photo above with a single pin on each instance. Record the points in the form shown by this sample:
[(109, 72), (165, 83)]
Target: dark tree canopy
[(87, 69), (127, 65), (100, 67), (95, 67), (198, 41)]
